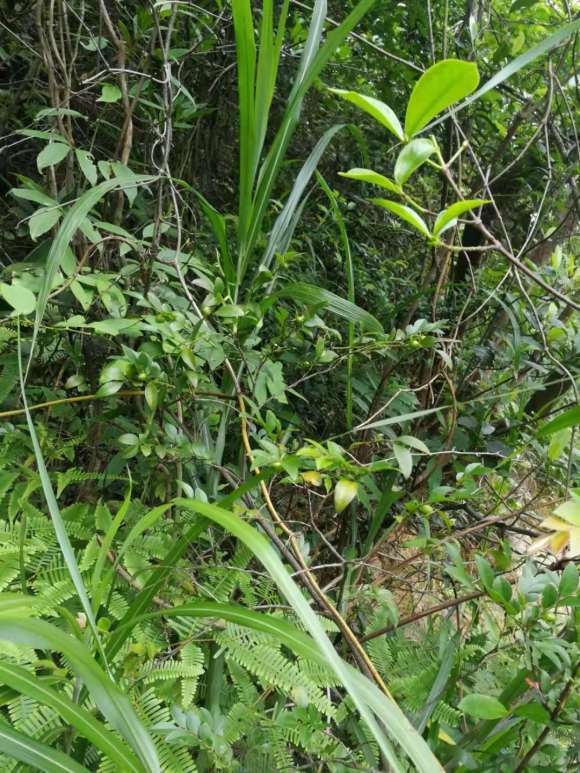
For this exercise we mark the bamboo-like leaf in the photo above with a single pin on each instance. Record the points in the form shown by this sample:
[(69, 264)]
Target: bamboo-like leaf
[(38, 755), (375, 108), (373, 178), (405, 213), (364, 694), (94, 731), (303, 292), (448, 217), (399, 419), (113, 704)]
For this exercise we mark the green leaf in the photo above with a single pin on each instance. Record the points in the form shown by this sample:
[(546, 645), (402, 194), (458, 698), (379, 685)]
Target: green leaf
[(482, 707), (533, 711), (570, 418), (568, 580), (51, 155), (411, 157), (114, 705), (36, 754), (569, 511), (549, 595), (367, 698), (375, 108), (448, 217), (109, 93), (344, 492), (313, 295), (30, 194), (283, 229), (20, 298), (42, 221), (74, 715), (398, 419), (373, 178), (443, 84), (404, 459), (405, 213), (87, 165), (486, 573)]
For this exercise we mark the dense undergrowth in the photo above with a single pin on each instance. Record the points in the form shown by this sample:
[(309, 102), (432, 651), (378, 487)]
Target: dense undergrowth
[(289, 383)]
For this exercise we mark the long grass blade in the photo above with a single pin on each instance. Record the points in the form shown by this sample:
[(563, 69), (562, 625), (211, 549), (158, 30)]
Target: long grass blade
[(76, 716), (358, 686), (273, 162), (38, 755), (302, 292), (283, 228), (114, 705)]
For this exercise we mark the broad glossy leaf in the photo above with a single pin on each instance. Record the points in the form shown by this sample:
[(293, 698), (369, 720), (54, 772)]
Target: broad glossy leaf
[(373, 178), (31, 194), (109, 93), (411, 157), (448, 217), (87, 165), (404, 459), (443, 84), (405, 213), (375, 108)]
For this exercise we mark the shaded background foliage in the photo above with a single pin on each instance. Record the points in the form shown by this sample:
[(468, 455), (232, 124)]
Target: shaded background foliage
[(152, 89)]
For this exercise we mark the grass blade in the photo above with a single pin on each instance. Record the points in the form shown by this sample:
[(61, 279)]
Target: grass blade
[(113, 704), (112, 747), (56, 517), (283, 228), (38, 755), (363, 693), (313, 295)]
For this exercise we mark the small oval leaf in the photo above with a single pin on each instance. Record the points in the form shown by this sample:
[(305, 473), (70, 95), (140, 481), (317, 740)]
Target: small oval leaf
[(449, 216), (344, 492)]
